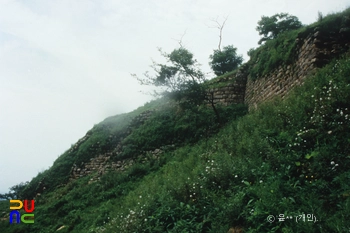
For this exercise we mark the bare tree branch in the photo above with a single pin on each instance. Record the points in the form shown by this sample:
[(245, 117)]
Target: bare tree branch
[(180, 41), (219, 26)]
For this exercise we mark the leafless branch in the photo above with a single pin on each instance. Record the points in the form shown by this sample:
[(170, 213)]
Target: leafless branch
[(180, 41), (219, 26)]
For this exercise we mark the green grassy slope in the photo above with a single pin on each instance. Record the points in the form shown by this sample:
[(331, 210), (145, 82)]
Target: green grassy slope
[(289, 157)]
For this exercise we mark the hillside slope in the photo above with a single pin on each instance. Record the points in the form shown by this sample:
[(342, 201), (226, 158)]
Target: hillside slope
[(162, 168)]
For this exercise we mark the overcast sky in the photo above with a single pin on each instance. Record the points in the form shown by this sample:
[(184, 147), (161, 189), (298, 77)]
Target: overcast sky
[(65, 64)]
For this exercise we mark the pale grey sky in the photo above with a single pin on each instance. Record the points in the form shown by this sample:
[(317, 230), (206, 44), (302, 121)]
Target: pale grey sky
[(65, 64)]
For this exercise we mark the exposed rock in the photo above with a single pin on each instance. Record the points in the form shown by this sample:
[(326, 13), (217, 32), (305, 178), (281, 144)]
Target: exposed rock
[(60, 228)]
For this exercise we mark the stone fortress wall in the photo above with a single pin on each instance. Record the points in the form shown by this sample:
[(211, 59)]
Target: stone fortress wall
[(313, 52)]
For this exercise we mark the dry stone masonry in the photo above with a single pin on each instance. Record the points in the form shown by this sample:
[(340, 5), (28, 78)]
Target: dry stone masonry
[(313, 52), (232, 92), (103, 163)]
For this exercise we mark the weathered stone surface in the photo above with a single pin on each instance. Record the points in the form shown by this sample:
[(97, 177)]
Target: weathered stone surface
[(314, 52), (233, 92)]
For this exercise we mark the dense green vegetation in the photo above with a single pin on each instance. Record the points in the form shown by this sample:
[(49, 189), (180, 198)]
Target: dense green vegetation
[(271, 27), (168, 125), (282, 49), (101, 138), (273, 54), (225, 60), (289, 157)]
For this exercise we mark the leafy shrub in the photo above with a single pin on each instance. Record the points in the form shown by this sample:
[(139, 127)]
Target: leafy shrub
[(225, 61)]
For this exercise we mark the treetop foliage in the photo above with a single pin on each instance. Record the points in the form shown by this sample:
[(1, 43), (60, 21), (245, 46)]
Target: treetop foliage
[(180, 77), (226, 60), (16, 191), (180, 71), (270, 27)]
